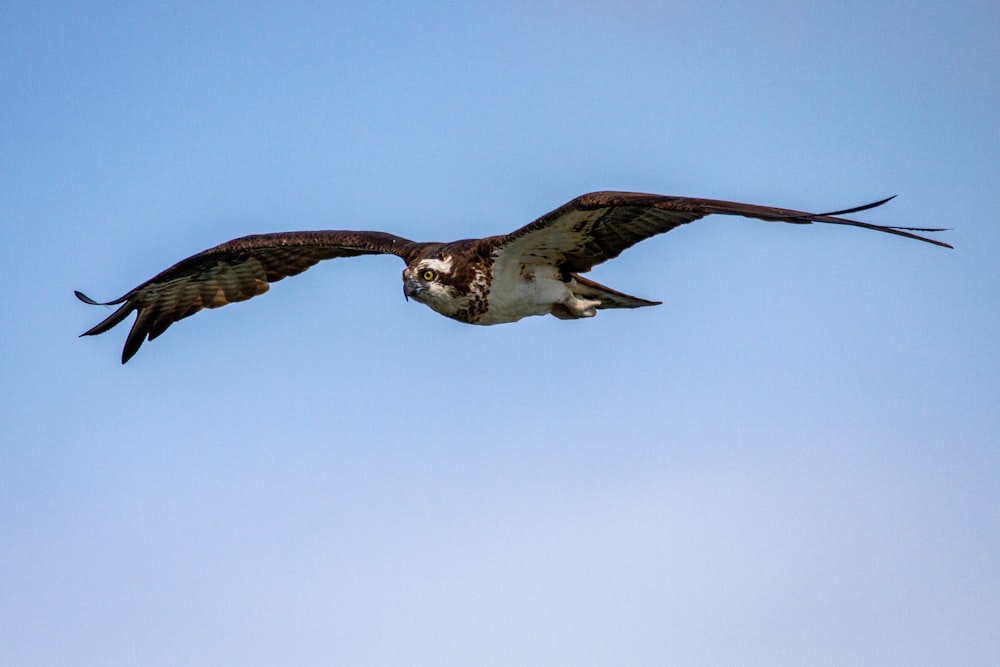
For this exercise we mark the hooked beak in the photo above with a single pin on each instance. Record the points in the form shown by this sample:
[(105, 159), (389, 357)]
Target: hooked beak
[(412, 288)]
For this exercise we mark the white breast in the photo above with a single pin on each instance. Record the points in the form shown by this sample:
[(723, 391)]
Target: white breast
[(520, 291)]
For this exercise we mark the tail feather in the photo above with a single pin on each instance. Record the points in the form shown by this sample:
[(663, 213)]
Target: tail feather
[(608, 297)]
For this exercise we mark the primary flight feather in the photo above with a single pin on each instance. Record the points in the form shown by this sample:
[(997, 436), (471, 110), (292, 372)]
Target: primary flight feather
[(534, 270)]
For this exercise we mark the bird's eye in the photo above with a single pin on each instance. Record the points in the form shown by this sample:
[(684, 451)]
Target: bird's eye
[(427, 275)]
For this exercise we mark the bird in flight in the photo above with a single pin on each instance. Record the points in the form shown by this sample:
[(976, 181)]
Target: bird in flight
[(534, 270)]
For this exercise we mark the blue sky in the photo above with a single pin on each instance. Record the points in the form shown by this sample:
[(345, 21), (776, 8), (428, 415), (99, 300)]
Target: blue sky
[(794, 460)]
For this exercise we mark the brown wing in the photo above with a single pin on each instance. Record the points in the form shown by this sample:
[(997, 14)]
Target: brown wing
[(596, 227), (234, 271)]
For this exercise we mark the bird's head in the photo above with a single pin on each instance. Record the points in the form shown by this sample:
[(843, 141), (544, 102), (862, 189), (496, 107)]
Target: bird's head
[(430, 282)]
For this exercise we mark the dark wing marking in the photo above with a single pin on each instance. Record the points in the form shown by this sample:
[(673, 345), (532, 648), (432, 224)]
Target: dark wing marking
[(596, 227), (234, 271)]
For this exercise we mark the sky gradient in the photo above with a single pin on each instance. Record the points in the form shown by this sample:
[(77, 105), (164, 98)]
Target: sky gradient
[(794, 460)]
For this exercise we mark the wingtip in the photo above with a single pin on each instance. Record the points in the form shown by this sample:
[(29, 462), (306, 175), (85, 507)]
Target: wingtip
[(882, 201), (863, 207), (86, 299), (925, 239), (918, 229), (128, 352)]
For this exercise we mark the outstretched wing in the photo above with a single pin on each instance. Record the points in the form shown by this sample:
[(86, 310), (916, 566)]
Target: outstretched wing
[(234, 271), (596, 227)]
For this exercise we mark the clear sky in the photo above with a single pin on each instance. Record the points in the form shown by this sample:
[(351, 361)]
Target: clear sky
[(795, 460)]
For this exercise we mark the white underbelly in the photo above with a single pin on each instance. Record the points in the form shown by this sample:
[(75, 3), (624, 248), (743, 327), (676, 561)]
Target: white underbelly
[(533, 291)]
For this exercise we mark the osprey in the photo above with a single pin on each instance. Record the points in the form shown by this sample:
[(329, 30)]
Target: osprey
[(532, 271)]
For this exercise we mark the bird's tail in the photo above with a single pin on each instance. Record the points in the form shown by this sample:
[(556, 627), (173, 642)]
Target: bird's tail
[(608, 297)]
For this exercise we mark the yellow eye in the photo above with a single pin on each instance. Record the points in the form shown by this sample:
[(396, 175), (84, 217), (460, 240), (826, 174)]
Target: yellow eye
[(427, 275)]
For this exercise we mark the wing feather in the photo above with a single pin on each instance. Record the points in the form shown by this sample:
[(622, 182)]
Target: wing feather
[(599, 226), (233, 271)]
